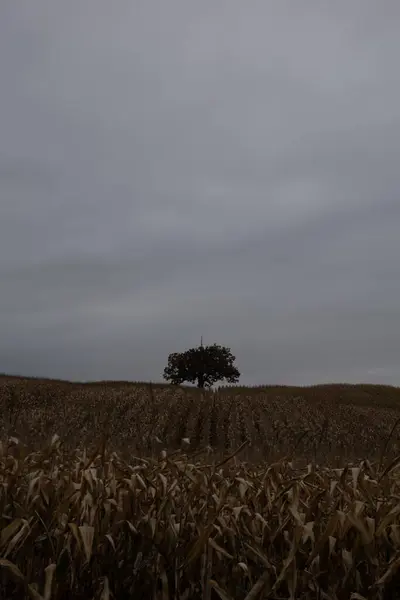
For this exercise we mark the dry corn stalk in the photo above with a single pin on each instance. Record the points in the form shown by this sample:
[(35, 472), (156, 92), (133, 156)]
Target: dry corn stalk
[(75, 523)]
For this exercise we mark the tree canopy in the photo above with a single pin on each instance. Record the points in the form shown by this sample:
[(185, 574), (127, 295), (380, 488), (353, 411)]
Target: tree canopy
[(205, 365)]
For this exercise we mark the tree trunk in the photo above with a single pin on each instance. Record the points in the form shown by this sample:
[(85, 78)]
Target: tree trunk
[(200, 383)]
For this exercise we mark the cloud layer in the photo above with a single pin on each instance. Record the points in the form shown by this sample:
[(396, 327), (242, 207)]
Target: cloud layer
[(172, 170)]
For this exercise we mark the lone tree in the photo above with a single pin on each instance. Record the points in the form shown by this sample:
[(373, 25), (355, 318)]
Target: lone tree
[(205, 364)]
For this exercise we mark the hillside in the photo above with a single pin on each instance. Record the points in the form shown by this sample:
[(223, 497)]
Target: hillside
[(324, 422)]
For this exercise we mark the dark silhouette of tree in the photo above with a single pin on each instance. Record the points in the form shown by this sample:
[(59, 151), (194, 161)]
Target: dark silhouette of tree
[(205, 365)]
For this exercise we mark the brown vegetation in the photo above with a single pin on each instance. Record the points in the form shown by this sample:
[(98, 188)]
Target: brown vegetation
[(77, 526), (335, 423), (137, 516)]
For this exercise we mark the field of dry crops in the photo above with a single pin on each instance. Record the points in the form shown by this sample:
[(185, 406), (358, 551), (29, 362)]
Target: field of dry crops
[(320, 423), (77, 526), (168, 493)]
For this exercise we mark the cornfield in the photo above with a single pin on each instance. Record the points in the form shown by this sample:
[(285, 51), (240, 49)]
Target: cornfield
[(330, 424), (178, 526), (162, 493)]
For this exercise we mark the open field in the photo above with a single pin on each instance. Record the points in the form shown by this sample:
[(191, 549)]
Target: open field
[(327, 423), (79, 526), (168, 493)]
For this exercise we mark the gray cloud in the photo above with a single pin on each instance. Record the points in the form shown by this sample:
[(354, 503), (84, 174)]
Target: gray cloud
[(171, 170)]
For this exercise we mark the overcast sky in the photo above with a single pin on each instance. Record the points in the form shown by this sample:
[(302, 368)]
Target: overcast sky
[(175, 169)]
